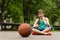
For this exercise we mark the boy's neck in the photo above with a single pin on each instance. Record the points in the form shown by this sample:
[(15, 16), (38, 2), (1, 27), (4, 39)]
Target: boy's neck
[(41, 18)]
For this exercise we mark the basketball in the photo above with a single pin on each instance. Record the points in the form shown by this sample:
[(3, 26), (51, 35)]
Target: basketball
[(24, 30)]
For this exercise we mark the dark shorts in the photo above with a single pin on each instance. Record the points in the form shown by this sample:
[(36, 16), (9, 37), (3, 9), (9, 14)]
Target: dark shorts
[(41, 29)]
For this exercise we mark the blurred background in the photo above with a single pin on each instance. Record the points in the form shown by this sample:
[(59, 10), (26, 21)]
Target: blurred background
[(25, 11)]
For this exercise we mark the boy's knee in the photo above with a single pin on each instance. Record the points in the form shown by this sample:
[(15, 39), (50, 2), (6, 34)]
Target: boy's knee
[(51, 27)]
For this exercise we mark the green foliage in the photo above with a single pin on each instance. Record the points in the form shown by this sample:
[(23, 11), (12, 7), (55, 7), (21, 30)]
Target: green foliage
[(14, 8), (50, 7)]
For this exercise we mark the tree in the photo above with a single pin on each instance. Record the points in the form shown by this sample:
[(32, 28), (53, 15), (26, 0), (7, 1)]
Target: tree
[(18, 9), (14, 9), (2, 10)]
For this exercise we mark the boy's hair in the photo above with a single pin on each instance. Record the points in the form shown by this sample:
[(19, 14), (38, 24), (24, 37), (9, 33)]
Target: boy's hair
[(41, 10)]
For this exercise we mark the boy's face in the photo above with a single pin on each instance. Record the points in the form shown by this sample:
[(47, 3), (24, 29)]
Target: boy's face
[(40, 14)]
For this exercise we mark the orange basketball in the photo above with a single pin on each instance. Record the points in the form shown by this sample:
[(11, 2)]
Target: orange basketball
[(25, 30)]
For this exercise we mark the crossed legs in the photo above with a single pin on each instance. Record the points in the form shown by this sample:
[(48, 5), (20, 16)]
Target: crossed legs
[(41, 32)]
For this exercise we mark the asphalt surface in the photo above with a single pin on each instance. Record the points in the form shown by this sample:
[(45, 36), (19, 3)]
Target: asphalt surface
[(13, 35)]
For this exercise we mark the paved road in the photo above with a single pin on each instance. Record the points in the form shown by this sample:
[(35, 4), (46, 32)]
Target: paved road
[(13, 35)]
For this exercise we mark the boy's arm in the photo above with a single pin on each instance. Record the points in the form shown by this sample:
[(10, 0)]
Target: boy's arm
[(47, 22), (35, 24)]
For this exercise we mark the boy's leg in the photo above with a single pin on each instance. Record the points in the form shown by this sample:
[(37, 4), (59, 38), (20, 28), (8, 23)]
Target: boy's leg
[(38, 31), (47, 29)]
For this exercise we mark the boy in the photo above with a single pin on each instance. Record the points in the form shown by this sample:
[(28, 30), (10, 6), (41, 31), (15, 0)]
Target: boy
[(41, 25)]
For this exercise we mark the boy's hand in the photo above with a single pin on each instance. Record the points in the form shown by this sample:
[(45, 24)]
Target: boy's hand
[(36, 26)]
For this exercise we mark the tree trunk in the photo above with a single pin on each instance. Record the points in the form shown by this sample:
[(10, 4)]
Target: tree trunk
[(1, 14), (26, 11)]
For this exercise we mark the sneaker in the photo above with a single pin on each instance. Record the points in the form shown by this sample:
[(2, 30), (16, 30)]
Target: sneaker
[(34, 33)]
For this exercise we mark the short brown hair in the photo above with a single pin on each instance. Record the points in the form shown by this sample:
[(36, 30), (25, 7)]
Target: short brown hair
[(40, 10)]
